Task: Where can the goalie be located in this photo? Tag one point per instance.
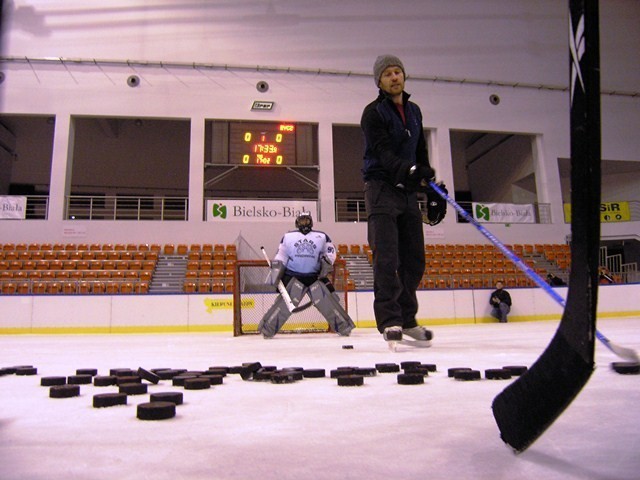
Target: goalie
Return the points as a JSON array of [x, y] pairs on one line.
[[305, 257]]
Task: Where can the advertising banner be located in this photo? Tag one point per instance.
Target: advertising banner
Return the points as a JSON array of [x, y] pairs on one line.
[[503, 213], [258, 210], [609, 212], [13, 207]]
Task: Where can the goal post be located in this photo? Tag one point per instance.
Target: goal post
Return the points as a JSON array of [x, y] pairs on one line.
[[253, 295]]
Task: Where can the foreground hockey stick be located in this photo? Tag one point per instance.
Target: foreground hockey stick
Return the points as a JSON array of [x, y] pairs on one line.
[[623, 352]]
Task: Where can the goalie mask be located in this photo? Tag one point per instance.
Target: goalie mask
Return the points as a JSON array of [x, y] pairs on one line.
[[304, 222]]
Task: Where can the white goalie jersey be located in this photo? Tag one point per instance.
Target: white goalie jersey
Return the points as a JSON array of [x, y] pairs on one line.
[[301, 254]]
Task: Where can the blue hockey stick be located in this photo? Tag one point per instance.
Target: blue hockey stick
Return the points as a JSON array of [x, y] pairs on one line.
[[622, 352]]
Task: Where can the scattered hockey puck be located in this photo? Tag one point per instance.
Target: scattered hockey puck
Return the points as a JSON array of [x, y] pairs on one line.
[[262, 375], [148, 375], [431, 367], [387, 367], [341, 372], [515, 370], [236, 369], [282, 377], [409, 364], [79, 379], [410, 378], [217, 379], [5, 371], [173, 397], [121, 372], [64, 391], [365, 371], [221, 367], [169, 373], [87, 371], [222, 371], [128, 379], [452, 371], [467, 375], [347, 347], [133, 388], [104, 380], [626, 368], [350, 380], [249, 369], [102, 400], [497, 374], [178, 381], [156, 410], [197, 383], [314, 373], [26, 371], [51, 381]]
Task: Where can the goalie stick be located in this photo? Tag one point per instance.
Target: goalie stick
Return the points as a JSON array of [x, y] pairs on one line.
[[283, 291]]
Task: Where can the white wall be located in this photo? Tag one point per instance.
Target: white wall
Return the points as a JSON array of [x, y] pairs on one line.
[[523, 41]]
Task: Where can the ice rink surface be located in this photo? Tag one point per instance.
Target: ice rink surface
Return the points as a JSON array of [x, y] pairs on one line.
[[311, 429]]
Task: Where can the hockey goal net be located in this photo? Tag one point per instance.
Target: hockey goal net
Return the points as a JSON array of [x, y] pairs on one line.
[[253, 296]]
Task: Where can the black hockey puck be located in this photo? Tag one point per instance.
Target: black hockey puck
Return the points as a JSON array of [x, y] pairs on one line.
[[128, 379], [178, 381], [515, 370], [314, 373], [626, 368], [148, 375], [497, 374], [410, 378], [248, 369], [409, 364], [452, 371], [173, 397], [87, 371], [197, 383], [420, 369], [431, 367], [347, 347], [169, 373], [79, 379], [133, 388], [64, 391], [350, 380], [101, 400], [26, 371], [51, 381], [387, 367], [262, 375], [220, 367], [341, 372], [282, 377], [217, 371], [467, 375], [156, 410], [365, 371], [121, 372], [104, 380], [216, 379], [6, 371], [235, 369]]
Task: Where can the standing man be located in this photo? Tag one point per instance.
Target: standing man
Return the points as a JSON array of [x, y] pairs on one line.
[[396, 167], [500, 301]]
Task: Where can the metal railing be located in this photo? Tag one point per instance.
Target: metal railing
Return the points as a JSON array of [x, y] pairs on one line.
[[80, 207], [353, 210]]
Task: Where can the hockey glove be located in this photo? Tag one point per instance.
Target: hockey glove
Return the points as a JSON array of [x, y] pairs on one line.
[[436, 206], [418, 176]]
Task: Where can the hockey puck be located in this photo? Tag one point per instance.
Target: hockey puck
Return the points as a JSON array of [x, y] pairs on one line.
[[148, 376], [156, 410], [262, 375], [314, 373], [5, 371], [516, 370], [410, 378], [419, 369], [197, 383], [347, 347], [350, 380], [169, 373], [133, 388], [409, 364], [121, 372], [467, 375], [128, 379], [626, 368], [87, 371], [24, 371], [51, 381], [431, 367], [236, 369], [387, 367], [217, 371], [173, 397], [341, 372], [365, 371], [282, 377], [248, 369], [79, 379], [216, 379], [452, 371], [178, 381], [220, 367], [64, 391], [497, 374], [104, 380], [102, 400]]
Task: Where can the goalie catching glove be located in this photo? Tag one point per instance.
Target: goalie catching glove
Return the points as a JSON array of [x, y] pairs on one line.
[[436, 205]]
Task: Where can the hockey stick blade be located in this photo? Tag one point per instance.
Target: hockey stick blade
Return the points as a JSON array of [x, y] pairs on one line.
[[622, 352], [281, 288]]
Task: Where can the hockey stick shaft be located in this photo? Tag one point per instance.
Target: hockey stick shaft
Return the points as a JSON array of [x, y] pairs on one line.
[[622, 352], [281, 288]]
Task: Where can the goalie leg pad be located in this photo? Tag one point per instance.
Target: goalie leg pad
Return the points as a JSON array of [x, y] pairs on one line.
[[330, 308], [278, 314]]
